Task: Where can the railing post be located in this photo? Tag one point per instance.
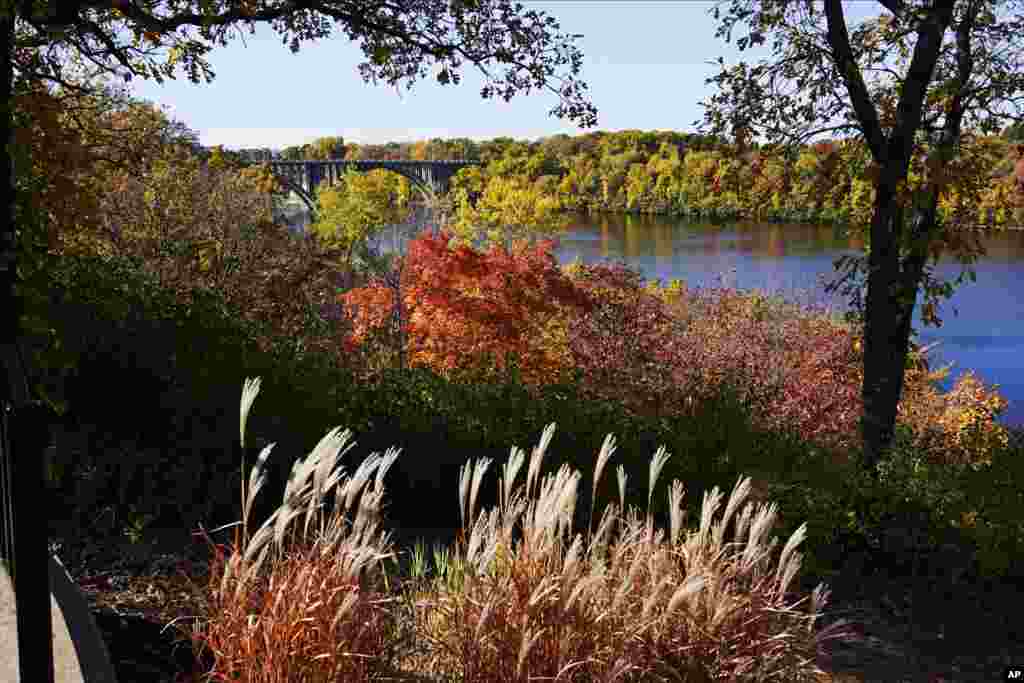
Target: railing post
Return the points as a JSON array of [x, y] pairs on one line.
[[24, 512]]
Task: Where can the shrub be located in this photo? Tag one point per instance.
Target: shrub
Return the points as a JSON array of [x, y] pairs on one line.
[[463, 309], [920, 518]]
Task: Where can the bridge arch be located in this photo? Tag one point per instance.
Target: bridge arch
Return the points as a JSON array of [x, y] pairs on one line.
[[303, 177]]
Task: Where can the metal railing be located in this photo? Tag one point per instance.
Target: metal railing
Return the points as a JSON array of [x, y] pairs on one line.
[[24, 515]]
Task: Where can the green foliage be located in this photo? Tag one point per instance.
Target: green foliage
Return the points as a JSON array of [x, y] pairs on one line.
[[455, 421], [351, 212], [989, 511], [120, 328], [330, 147], [1014, 132], [911, 519]]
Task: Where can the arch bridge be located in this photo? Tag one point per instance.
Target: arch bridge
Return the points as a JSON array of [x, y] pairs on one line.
[[303, 177]]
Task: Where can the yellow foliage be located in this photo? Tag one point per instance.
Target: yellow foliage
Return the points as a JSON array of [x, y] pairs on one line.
[[356, 208], [508, 209], [217, 161], [670, 293], [960, 424]]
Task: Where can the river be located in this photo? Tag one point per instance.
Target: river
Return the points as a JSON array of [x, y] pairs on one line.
[[986, 334]]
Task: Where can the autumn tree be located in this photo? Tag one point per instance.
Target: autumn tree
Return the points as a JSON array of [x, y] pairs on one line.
[[508, 209], [468, 311], [329, 147], [357, 208], [924, 78]]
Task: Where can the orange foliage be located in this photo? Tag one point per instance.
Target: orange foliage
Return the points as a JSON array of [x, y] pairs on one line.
[[465, 308], [825, 148], [958, 426]]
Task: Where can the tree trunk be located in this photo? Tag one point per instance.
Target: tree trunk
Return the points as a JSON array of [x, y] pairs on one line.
[[886, 331], [888, 319]]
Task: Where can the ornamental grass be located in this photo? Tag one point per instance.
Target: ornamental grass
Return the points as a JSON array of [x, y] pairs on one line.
[[516, 599]]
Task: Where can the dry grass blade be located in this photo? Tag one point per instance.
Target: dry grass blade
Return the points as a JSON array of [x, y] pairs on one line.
[[676, 512], [739, 494], [657, 463], [535, 459], [509, 472], [607, 450], [690, 587], [529, 640], [464, 475], [787, 569], [478, 477]]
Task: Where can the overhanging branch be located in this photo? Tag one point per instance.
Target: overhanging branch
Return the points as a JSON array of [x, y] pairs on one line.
[[842, 53]]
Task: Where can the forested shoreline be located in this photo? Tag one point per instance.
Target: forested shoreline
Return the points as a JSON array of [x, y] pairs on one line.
[[698, 176]]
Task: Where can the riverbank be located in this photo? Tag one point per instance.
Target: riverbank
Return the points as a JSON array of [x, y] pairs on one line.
[[792, 259]]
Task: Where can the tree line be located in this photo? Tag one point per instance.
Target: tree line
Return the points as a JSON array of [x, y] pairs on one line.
[[694, 175]]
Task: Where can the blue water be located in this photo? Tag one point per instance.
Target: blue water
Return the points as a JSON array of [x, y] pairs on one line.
[[983, 322]]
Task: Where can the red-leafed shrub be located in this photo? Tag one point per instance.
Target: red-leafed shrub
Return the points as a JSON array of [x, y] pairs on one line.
[[468, 311], [626, 344]]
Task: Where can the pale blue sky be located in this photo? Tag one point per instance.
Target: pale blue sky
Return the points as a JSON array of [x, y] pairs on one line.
[[645, 65]]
